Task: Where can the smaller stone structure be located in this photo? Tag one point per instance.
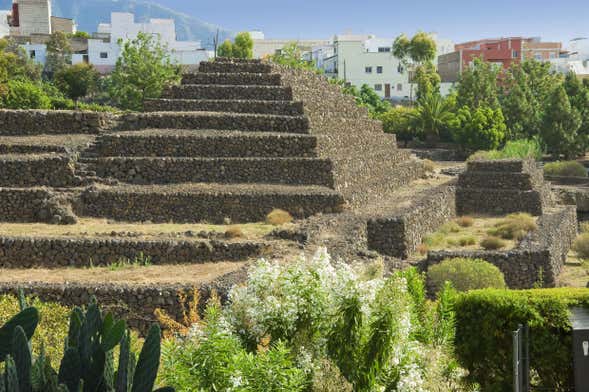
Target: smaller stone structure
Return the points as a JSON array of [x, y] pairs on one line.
[[502, 186], [538, 258]]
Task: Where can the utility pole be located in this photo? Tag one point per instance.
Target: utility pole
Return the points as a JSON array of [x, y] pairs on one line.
[[216, 42]]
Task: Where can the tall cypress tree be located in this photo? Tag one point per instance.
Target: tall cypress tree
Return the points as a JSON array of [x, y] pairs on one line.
[[561, 125]]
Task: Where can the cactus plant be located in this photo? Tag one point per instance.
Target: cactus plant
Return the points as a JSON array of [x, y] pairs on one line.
[[88, 360]]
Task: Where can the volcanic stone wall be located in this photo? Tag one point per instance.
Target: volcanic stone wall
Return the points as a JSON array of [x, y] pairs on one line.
[[32, 122], [362, 154], [538, 258], [37, 170], [501, 187], [34, 205], [400, 234], [27, 252], [135, 304]]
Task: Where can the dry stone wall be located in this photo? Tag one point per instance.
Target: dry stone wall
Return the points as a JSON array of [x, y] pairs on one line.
[[399, 234], [37, 170], [33, 122], [365, 167], [539, 258]]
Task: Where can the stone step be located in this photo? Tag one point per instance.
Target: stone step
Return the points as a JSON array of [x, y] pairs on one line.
[[24, 170], [42, 144], [237, 60], [215, 120], [234, 67], [171, 170], [203, 143], [220, 91], [287, 108], [25, 205], [243, 79], [214, 203], [53, 252]]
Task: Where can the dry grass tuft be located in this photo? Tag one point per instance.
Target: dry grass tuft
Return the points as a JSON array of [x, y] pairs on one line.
[[429, 166], [581, 246], [422, 249], [465, 221], [492, 243], [467, 241], [234, 232], [514, 226], [278, 217]]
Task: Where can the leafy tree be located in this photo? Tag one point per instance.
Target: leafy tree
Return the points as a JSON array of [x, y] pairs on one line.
[[59, 54], [77, 81], [477, 86], [525, 90], [561, 125], [418, 53], [578, 95], [292, 56], [25, 94], [481, 128], [143, 71], [433, 113], [243, 46], [79, 34], [15, 63], [400, 121], [428, 80], [225, 49], [371, 100]]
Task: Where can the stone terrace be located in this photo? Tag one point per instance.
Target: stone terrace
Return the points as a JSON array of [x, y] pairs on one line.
[[230, 144]]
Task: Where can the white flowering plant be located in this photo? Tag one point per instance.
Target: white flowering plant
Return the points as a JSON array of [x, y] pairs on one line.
[[291, 320]]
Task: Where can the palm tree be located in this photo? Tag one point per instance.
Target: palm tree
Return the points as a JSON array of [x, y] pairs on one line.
[[432, 114]]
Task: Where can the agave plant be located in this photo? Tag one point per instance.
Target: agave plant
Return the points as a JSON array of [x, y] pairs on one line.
[[88, 361]]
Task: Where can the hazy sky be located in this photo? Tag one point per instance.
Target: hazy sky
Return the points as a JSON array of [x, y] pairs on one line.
[[459, 20]]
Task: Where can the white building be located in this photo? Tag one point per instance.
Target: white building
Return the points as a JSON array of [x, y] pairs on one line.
[[576, 59], [366, 59], [103, 54], [267, 47], [31, 17]]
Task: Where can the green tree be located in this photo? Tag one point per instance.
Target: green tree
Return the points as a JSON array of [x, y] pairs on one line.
[[428, 80], [15, 63], [525, 90], [400, 121], [243, 46], [418, 54], [79, 34], [477, 86], [25, 94], [292, 56], [481, 128], [77, 81], [578, 95], [432, 115], [561, 125], [59, 54], [225, 49], [372, 101], [143, 71]]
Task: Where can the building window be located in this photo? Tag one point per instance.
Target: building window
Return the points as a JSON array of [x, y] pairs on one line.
[[103, 55], [538, 56], [379, 70], [515, 54], [552, 55], [368, 69], [400, 69], [384, 50], [378, 87], [32, 54], [86, 59], [399, 87]]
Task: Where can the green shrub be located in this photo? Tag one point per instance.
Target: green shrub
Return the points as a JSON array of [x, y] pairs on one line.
[[467, 241], [23, 94], [465, 274], [514, 226], [565, 169], [400, 120], [482, 128], [52, 328], [485, 320], [523, 148], [492, 243], [581, 246]]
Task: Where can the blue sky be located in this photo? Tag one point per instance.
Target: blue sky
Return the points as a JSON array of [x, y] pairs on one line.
[[459, 20]]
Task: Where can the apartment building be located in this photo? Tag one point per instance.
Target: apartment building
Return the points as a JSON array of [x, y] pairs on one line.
[[501, 51], [574, 59], [366, 59]]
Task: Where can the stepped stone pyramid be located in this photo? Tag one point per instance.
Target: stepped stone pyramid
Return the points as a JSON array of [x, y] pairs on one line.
[[230, 144]]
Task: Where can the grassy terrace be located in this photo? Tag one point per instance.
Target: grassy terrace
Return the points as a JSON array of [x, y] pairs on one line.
[[470, 233], [90, 227]]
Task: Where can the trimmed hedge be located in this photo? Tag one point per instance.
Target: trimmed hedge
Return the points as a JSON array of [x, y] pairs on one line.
[[565, 169], [465, 274], [485, 320]]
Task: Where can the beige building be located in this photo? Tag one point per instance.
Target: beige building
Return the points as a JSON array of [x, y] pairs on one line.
[[65, 25], [30, 17], [267, 47]]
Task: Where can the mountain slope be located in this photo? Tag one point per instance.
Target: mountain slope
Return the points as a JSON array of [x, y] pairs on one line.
[[89, 13]]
